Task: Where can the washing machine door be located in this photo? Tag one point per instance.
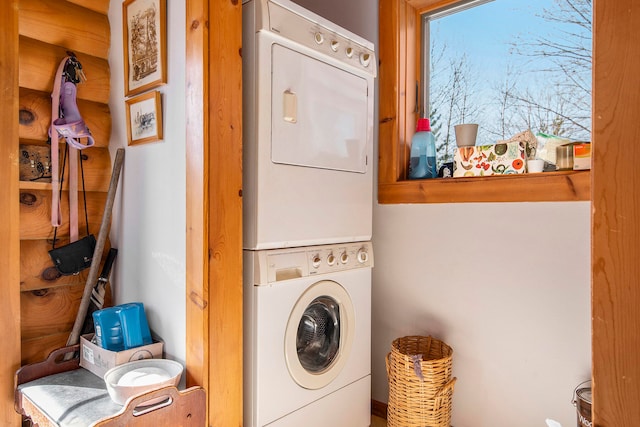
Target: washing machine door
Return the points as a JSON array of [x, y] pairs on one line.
[[319, 334]]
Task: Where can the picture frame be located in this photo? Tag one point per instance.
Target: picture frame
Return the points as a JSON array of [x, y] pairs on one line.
[[145, 40], [144, 118]]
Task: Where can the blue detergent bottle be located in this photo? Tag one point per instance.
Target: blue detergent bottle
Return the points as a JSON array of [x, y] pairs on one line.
[[422, 162]]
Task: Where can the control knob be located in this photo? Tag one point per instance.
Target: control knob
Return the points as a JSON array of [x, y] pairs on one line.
[[318, 37], [344, 257], [363, 256], [315, 261], [365, 59], [349, 52], [331, 259], [335, 44]]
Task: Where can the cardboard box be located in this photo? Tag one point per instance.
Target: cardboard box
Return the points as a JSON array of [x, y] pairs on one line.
[[498, 159], [581, 156], [99, 360]]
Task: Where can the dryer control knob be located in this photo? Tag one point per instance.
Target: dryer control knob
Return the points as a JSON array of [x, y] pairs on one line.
[[344, 258], [349, 52], [363, 256], [331, 259], [365, 59], [316, 261], [335, 44], [319, 38]]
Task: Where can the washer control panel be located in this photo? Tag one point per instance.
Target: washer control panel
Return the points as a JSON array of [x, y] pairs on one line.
[[329, 258], [275, 265]]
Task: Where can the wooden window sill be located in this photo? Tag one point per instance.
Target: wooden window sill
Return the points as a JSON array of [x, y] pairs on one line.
[[542, 187]]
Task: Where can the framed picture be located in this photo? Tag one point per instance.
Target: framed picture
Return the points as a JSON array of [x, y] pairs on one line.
[[145, 41], [144, 118]]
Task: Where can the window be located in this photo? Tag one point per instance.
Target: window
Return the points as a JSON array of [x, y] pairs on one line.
[[403, 39], [509, 66]]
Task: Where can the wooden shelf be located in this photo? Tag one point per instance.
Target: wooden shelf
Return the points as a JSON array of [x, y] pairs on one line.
[[35, 185], [543, 187]]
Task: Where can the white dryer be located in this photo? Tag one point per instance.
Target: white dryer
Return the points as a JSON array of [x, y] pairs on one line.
[[307, 128], [308, 336]]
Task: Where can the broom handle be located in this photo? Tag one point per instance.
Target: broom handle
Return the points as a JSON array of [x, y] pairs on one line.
[[74, 337]]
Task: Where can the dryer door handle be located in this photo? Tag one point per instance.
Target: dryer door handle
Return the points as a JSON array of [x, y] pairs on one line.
[[289, 106]]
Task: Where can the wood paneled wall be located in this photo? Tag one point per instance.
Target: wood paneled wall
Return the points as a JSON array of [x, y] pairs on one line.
[[47, 30], [616, 214]]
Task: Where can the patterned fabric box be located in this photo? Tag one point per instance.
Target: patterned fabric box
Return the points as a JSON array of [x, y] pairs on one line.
[[502, 158]]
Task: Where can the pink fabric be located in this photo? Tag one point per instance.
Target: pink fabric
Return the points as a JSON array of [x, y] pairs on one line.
[[56, 211]]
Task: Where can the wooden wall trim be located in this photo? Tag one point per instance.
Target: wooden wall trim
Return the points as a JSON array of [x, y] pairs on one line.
[[214, 206], [616, 218], [9, 227], [197, 262], [225, 211], [379, 409]]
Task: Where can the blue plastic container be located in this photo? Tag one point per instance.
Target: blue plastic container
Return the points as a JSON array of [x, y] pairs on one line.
[[122, 327], [422, 160], [135, 329], [108, 329]]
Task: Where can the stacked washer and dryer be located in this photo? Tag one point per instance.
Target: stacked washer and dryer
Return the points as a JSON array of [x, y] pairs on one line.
[[308, 185]]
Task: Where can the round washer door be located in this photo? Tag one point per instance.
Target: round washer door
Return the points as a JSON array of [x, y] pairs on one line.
[[319, 334]]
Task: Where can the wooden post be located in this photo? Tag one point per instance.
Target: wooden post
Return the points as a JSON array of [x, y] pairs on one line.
[[9, 197], [616, 218]]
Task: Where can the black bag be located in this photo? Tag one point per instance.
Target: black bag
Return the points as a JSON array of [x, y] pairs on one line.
[[73, 258]]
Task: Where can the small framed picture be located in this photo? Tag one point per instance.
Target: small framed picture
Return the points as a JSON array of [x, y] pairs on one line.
[[145, 51], [144, 118]]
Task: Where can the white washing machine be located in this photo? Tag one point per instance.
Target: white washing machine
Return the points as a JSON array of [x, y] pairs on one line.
[[308, 128], [307, 340]]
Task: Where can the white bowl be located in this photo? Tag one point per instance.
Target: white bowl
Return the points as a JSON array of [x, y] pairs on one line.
[[135, 378]]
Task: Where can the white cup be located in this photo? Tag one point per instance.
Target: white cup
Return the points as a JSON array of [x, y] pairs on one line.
[[535, 165], [466, 134]]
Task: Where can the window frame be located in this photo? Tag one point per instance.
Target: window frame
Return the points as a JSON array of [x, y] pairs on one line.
[[399, 50]]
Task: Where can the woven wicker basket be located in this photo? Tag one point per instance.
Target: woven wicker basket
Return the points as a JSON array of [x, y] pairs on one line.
[[415, 401]]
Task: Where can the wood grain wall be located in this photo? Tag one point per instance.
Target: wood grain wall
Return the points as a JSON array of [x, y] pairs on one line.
[[47, 30], [616, 216]]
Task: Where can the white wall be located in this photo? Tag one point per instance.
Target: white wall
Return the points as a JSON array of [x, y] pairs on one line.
[[149, 220], [506, 285]]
